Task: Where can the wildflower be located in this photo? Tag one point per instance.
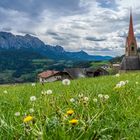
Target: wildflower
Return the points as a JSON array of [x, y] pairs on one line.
[[100, 96], [80, 95], [28, 119], [5, 91], [117, 75], [32, 98], [70, 112], [73, 121], [17, 114], [33, 84], [43, 92], [31, 110], [121, 84], [86, 99], [95, 100], [49, 91], [72, 100], [66, 82], [106, 97]]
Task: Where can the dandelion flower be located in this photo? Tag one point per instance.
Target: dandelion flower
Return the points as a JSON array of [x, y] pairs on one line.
[[66, 82], [117, 75], [31, 110], [49, 92], [86, 99], [106, 97], [80, 95], [17, 114], [33, 84], [100, 96], [32, 98], [27, 119], [95, 100], [70, 112], [73, 121], [5, 91], [72, 100]]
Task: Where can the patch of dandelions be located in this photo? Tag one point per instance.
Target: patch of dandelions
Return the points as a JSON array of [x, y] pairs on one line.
[[103, 97], [66, 82], [46, 92], [121, 84], [33, 98]]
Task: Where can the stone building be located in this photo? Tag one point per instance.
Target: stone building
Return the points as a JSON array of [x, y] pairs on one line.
[[131, 60]]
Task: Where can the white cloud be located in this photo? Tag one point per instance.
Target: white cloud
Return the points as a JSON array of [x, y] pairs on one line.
[[71, 28]]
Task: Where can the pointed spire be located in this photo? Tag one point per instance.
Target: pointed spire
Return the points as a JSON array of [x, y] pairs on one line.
[[131, 30]]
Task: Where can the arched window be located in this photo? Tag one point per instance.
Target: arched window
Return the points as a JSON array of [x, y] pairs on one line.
[[132, 47]]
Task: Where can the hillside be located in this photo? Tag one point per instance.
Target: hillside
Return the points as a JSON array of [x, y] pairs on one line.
[[87, 109], [23, 57]]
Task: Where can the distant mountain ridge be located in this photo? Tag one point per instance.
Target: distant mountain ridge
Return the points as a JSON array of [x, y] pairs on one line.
[[9, 41]]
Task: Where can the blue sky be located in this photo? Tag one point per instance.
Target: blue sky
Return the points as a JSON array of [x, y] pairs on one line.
[[95, 26]]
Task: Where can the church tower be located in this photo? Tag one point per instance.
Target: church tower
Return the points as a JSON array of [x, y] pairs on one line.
[[131, 60], [131, 43]]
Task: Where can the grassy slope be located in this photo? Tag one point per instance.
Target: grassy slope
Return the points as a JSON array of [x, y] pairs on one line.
[[118, 118]]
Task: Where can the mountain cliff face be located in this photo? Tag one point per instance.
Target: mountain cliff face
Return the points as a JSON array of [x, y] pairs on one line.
[[30, 43]]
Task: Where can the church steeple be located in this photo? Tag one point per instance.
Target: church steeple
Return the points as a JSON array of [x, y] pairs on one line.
[[131, 43]]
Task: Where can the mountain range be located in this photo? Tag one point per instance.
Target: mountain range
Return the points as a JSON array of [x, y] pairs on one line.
[[33, 45]]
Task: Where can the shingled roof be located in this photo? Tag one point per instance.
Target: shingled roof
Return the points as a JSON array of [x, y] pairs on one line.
[[47, 74]]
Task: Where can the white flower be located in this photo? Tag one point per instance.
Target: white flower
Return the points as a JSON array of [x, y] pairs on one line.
[[72, 100], [95, 100], [32, 98], [17, 114], [121, 84], [100, 96], [33, 84], [5, 91], [106, 97], [117, 75], [66, 82], [31, 110], [80, 95], [49, 92], [86, 99]]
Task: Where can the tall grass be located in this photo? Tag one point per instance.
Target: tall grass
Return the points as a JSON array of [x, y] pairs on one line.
[[115, 118]]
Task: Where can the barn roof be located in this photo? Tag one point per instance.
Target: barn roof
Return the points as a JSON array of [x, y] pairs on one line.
[[47, 74]]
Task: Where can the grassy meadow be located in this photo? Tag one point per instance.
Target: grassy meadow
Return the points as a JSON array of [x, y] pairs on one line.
[[87, 109]]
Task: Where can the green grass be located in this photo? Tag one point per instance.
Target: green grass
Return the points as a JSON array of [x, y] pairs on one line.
[[117, 118]]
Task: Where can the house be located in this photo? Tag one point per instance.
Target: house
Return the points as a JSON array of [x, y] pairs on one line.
[[76, 73], [70, 73], [51, 76], [94, 72], [131, 60]]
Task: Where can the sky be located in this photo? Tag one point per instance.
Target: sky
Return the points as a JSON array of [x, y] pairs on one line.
[[98, 27]]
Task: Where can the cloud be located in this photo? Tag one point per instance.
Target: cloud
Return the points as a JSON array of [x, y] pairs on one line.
[[74, 24]]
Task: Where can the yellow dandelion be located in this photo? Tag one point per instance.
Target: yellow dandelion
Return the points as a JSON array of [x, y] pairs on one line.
[[70, 112], [28, 119], [73, 121]]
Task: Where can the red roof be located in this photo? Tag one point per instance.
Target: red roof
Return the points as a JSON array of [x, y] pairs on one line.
[[48, 73]]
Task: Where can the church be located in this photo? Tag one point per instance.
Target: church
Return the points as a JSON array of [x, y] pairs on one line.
[[131, 60]]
